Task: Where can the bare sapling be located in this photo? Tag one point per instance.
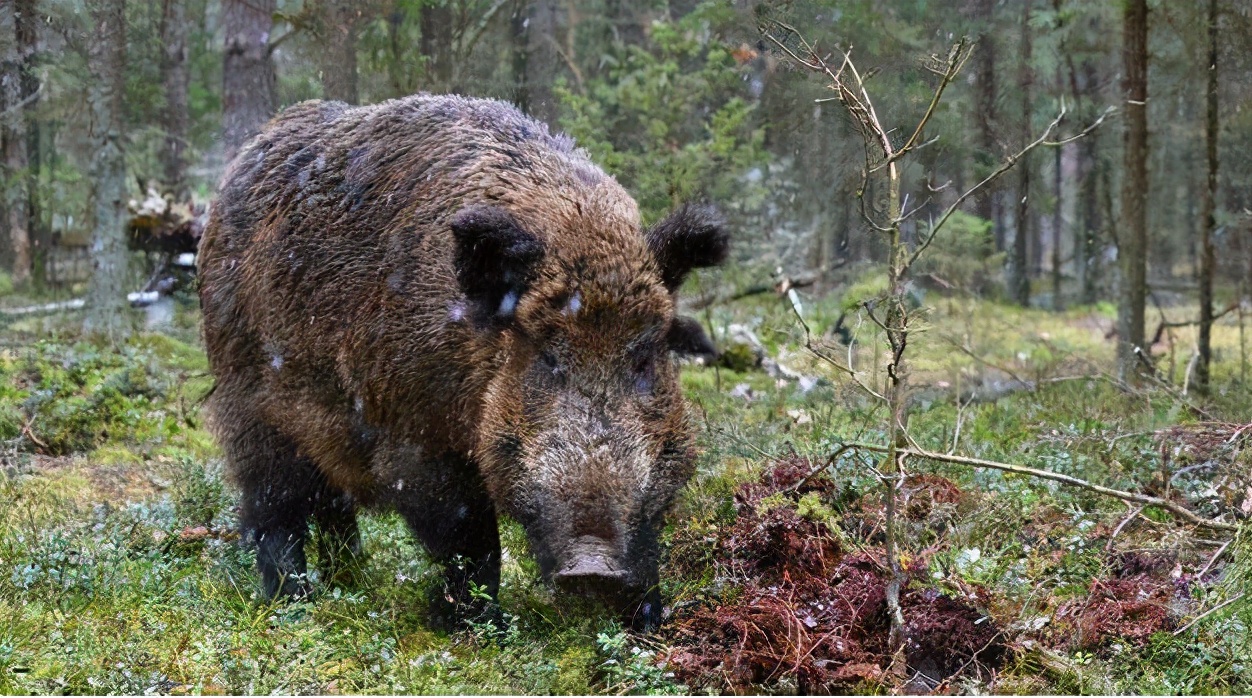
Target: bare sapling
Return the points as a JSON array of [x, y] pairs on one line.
[[892, 313]]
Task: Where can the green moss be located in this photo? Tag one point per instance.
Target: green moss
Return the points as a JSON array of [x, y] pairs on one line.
[[739, 357]]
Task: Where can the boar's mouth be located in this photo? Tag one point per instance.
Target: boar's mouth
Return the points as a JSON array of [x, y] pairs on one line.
[[591, 568]]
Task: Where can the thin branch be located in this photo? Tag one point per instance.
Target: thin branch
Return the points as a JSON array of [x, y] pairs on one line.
[[846, 369], [909, 214], [957, 56], [1108, 547], [1005, 166], [970, 353], [1209, 612], [22, 104], [1203, 571], [273, 45], [467, 46], [1145, 499]]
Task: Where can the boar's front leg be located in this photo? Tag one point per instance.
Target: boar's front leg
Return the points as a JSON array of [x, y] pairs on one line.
[[280, 488], [449, 510]]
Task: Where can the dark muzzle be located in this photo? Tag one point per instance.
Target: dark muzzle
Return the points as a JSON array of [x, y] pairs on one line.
[[591, 569]]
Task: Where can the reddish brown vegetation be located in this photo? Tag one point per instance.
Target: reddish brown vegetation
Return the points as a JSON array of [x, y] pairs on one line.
[[1212, 453], [1144, 597], [811, 613]]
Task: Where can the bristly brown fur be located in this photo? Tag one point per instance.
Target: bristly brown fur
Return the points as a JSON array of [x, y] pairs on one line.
[[434, 304]]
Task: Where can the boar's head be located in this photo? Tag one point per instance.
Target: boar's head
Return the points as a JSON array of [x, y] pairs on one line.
[[583, 435]]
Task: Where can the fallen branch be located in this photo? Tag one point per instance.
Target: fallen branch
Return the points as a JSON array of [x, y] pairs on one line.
[[30, 99], [1204, 570], [1108, 547], [1145, 499], [1208, 613], [75, 304]]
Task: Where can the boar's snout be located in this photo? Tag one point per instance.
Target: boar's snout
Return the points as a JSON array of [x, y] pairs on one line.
[[591, 568]]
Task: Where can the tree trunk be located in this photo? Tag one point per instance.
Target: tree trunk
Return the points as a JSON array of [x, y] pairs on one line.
[[16, 204], [624, 22], [815, 164], [401, 80], [1087, 242], [1087, 226], [436, 46], [985, 201], [106, 296], [248, 80], [175, 77], [1058, 212], [1208, 220], [1058, 221], [1020, 279], [543, 63], [28, 43], [519, 27], [337, 54], [1132, 237]]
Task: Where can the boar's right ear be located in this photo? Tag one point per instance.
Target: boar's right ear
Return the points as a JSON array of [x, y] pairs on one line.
[[495, 261], [690, 237]]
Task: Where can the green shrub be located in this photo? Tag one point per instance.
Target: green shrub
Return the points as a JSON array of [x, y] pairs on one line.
[[959, 255], [670, 120]]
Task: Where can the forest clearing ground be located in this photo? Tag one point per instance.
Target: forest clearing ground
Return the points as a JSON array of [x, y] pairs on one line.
[[120, 572]]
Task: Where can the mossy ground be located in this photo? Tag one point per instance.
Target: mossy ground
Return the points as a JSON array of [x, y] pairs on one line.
[[120, 571]]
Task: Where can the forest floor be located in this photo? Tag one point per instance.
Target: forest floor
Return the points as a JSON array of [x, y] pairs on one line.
[[120, 570]]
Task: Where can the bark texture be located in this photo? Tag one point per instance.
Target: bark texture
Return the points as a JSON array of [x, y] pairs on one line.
[[176, 78], [248, 80], [1020, 267], [1133, 236], [543, 63], [436, 46], [106, 295], [337, 54], [1208, 220], [13, 144], [986, 201]]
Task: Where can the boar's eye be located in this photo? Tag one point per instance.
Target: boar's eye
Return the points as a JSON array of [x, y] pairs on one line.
[[550, 362], [644, 370]]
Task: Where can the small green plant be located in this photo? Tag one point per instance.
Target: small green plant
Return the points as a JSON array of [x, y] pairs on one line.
[[199, 492], [629, 668]]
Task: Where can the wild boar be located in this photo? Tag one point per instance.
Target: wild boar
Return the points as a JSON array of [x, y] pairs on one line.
[[434, 304]]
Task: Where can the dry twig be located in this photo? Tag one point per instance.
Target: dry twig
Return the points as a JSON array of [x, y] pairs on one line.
[[1209, 612], [1145, 499]]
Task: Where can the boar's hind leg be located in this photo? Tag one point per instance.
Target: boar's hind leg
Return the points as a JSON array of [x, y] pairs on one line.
[[338, 539], [451, 513], [280, 488]]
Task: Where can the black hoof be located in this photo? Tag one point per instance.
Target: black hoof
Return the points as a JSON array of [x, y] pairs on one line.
[[646, 617]]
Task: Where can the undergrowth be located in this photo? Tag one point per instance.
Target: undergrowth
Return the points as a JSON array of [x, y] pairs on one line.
[[120, 569]]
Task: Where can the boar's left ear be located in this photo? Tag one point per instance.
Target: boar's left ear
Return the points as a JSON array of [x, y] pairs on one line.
[[687, 338], [690, 237], [495, 260]]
